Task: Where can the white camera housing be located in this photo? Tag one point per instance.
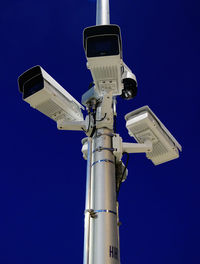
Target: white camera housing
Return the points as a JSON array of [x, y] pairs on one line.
[[42, 92], [143, 125], [103, 50], [106, 76], [128, 74], [129, 83]]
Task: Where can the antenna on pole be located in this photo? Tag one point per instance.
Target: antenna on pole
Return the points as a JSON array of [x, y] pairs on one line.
[[103, 12]]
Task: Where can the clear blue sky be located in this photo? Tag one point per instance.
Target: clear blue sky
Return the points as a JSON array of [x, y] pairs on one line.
[[42, 173]]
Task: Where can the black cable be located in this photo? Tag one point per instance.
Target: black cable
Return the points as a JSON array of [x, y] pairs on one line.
[[89, 122], [115, 123], [102, 118], [124, 171], [126, 165], [94, 127]]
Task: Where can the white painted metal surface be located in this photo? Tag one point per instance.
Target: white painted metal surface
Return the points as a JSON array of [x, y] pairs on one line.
[[143, 125], [51, 99]]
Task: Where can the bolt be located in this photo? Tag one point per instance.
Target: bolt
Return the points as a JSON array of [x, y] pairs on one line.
[[119, 223]]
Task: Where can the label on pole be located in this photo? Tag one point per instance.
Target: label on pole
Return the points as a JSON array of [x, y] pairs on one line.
[[113, 252]]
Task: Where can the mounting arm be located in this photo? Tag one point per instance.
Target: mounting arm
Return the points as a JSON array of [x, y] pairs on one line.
[[137, 147], [121, 147]]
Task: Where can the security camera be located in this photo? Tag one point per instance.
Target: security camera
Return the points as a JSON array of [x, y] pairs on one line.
[[42, 92], [130, 84], [144, 125], [103, 49]]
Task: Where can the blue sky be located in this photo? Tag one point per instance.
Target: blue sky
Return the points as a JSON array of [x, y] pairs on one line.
[[42, 183]]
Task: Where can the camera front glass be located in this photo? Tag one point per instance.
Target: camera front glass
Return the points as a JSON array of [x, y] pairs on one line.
[[105, 45], [33, 85]]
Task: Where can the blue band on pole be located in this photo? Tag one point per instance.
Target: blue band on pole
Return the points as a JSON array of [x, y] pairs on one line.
[[104, 160], [105, 211]]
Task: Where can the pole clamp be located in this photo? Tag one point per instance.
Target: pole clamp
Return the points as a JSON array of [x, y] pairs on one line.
[[104, 134], [104, 160], [93, 213]]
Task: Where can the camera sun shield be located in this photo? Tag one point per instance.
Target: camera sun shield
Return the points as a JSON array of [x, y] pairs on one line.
[[103, 37]]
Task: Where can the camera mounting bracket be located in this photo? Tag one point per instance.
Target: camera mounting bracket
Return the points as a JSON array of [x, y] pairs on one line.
[[122, 147]]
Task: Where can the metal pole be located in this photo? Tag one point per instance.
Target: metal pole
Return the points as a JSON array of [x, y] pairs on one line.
[[101, 244], [103, 12], [103, 223], [86, 257]]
